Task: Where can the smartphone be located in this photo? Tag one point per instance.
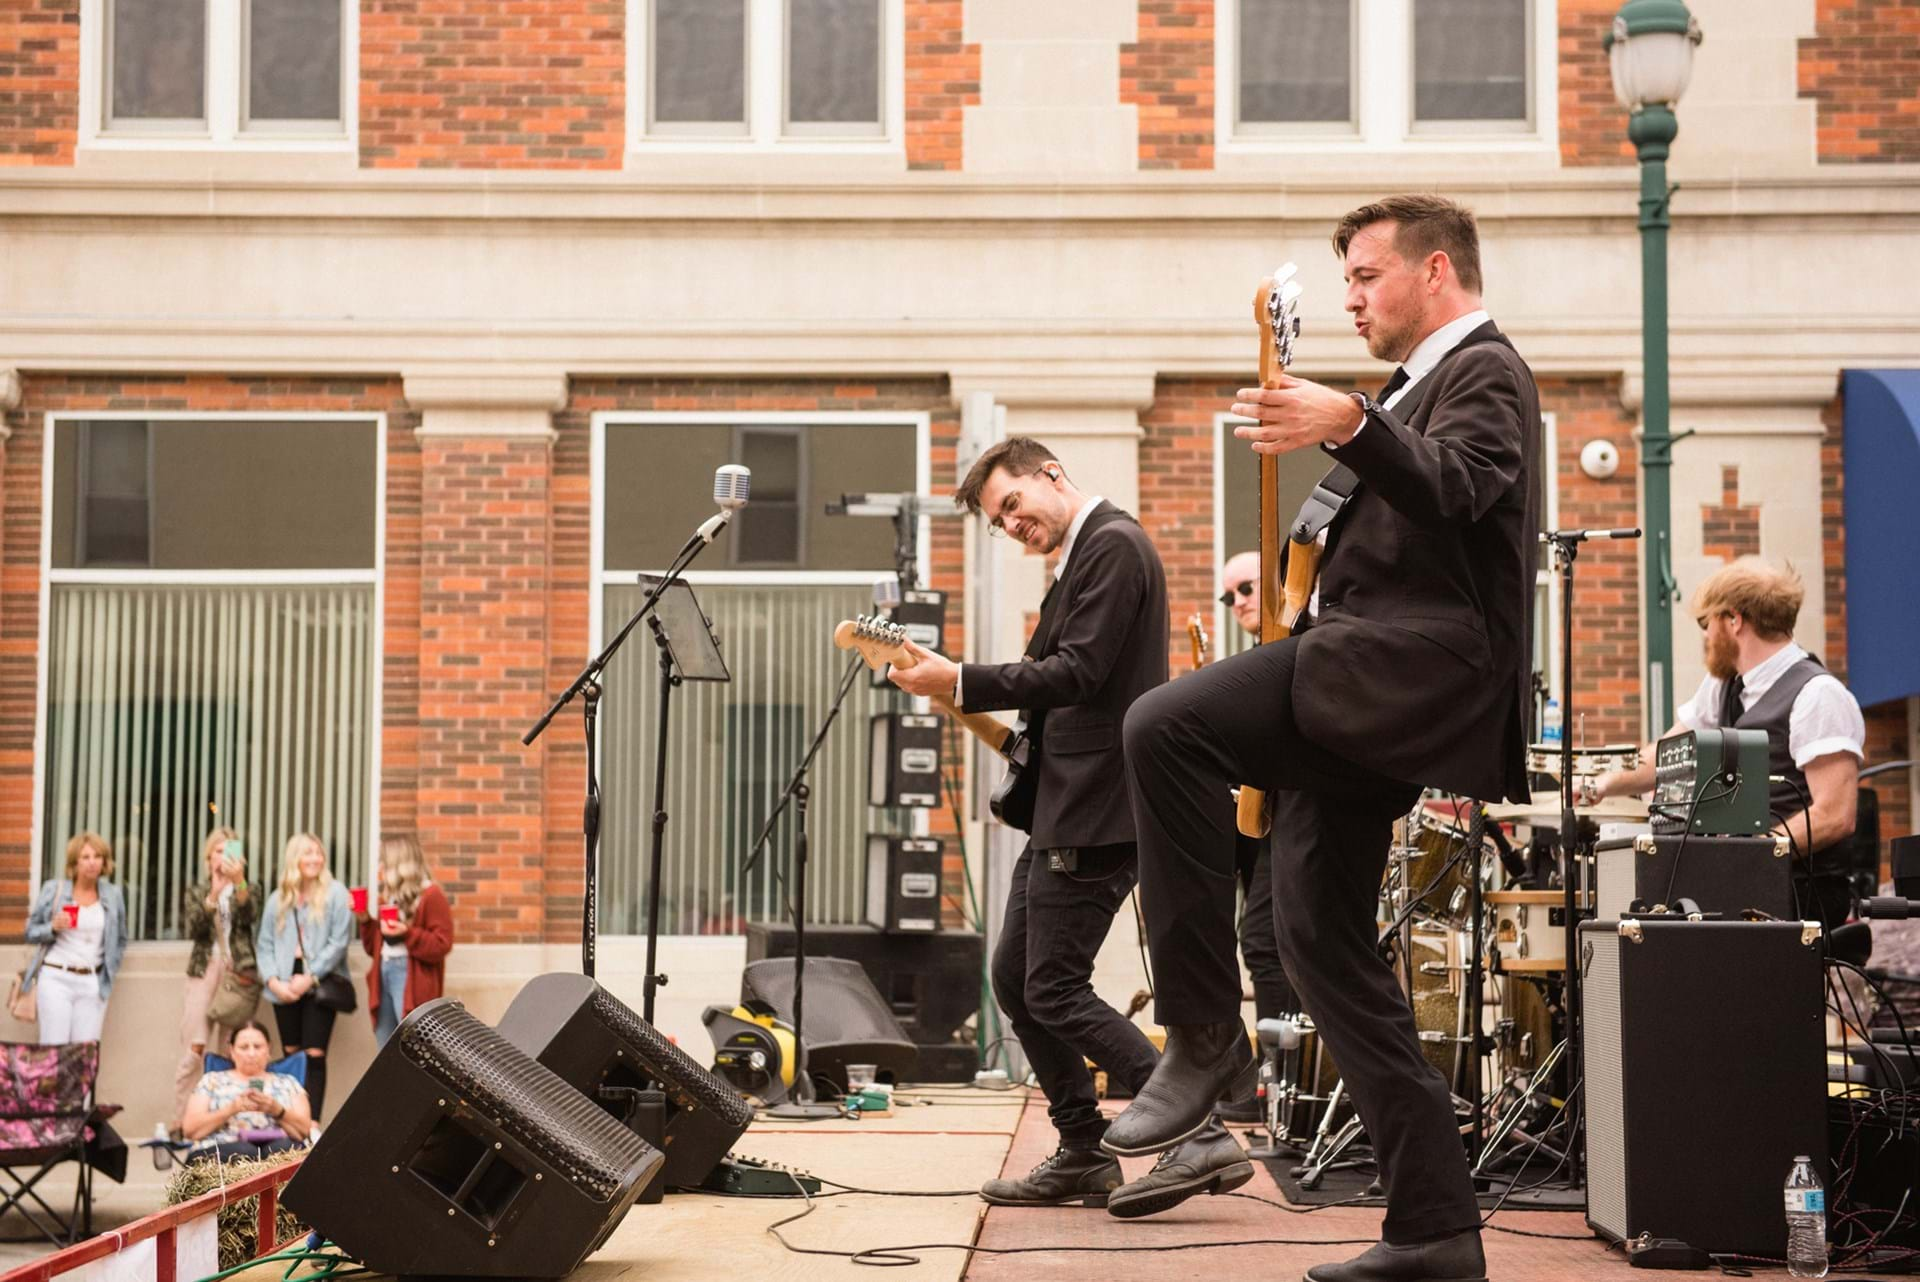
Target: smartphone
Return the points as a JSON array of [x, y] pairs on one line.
[[234, 850], [257, 1084]]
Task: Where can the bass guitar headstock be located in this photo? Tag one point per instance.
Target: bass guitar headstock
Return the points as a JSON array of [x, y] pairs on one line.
[[1276, 310]]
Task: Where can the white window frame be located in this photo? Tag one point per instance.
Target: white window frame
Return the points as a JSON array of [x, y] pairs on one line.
[[1383, 90], [225, 128], [767, 129], [49, 576]]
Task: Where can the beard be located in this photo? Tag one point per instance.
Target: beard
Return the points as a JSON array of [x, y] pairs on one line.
[[1723, 659]]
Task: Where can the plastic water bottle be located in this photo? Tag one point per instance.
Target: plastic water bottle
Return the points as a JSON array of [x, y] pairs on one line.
[[1550, 729], [1806, 1221]]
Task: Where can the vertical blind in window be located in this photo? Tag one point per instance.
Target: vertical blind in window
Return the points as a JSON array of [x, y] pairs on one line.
[[174, 709]]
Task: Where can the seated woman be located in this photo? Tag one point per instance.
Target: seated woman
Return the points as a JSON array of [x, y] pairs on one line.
[[245, 1111]]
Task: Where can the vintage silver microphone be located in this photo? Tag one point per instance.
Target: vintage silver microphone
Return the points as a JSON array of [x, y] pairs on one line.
[[730, 484]]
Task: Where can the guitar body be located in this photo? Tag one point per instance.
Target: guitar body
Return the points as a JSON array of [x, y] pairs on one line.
[[1018, 791]]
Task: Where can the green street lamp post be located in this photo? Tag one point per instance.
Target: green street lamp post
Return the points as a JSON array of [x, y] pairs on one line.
[[1650, 51]]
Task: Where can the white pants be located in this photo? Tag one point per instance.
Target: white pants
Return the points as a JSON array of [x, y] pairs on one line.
[[71, 1007]]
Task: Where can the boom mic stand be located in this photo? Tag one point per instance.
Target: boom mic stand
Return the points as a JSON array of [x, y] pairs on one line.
[[801, 1103]]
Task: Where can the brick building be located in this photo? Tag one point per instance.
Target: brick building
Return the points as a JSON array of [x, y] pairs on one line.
[[359, 352]]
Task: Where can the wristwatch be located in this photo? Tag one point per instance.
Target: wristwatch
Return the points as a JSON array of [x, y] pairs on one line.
[[1368, 408]]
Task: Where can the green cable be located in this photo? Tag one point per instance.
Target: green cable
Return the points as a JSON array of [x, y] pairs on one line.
[[295, 1256]]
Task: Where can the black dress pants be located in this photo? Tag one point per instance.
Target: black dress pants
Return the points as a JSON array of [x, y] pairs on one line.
[[1273, 993], [1187, 744], [1043, 979]]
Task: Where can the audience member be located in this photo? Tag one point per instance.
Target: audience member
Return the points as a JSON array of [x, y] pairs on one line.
[[218, 918], [408, 941], [80, 923], [302, 955], [246, 1111]]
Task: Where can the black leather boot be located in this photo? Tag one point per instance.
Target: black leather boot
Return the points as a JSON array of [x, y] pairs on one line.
[[1202, 1062], [1244, 1109], [1454, 1259], [1085, 1176], [1210, 1162]]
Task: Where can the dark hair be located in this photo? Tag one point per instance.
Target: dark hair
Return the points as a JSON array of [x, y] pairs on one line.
[[1422, 224], [1017, 456], [256, 1026]]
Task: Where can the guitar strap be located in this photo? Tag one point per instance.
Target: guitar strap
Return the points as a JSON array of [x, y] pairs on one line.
[[1330, 494]]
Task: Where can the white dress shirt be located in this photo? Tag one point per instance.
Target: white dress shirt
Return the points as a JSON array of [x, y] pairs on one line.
[[1825, 718], [1059, 567]]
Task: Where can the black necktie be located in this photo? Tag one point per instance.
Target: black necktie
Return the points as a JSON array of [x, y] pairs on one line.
[[1732, 706], [1394, 384]]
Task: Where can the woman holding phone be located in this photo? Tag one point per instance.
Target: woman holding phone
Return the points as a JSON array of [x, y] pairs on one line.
[[80, 923], [409, 939], [219, 915], [302, 944], [245, 1111]]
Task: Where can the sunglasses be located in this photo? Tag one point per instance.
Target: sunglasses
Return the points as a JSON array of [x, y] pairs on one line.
[[1244, 589]]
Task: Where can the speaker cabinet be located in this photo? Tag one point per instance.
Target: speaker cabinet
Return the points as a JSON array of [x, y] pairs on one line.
[[845, 1019], [458, 1155], [1724, 875], [903, 882], [601, 1048], [930, 980], [904, 760], [1704, 1053]]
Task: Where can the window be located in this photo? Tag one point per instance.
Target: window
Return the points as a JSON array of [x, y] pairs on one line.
[[774, 593], [1406, 74], [1236, 506], [756, 74], [174, 72], [209, 647]]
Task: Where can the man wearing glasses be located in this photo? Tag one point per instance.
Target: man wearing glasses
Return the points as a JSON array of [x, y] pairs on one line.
[[1101, 643]]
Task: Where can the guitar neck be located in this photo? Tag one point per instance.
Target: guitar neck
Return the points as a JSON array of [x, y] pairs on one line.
[[996, 734], [1274, 622]]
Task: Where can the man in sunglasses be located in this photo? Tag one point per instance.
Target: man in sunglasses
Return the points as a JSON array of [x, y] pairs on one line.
[[1101, 643]]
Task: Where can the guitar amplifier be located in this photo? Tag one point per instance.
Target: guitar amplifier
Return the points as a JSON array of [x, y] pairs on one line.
[[904, 764], [903, 882], [1711, 782], [1725, 875], [1704, 1058]]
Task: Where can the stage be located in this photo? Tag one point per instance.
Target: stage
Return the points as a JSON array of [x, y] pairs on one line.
[[968, 1136]]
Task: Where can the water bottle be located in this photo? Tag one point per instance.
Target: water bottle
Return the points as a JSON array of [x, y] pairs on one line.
[[1550, 729], [1806, 1221]]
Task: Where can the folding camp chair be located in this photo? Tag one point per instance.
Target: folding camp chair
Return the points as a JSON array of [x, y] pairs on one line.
[[167, 1152], [47, 1117]]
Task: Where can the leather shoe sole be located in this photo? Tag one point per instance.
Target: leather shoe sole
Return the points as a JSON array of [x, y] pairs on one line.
[[1240, 1083], [1071, 1199], [1313, 1275], [1166, 1197]]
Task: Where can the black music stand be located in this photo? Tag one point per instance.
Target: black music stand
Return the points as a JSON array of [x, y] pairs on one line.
[[688, 652]]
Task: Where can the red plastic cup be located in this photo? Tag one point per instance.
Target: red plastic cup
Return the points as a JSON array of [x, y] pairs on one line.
[[389, 914], [73, 914], [359, 894]]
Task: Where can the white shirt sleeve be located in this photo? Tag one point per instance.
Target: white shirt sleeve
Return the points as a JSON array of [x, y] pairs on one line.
[[1702, 712], [1826, 719]]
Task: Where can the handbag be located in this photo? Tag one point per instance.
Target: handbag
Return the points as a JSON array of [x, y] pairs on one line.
[[235, 999], [23, 1003], [330, 992]]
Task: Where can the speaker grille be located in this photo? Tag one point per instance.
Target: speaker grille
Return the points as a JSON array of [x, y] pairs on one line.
[[692, 1085], [1602, 1049], [499, 1081]]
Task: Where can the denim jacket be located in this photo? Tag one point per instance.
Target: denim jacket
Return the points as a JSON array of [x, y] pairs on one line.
[[326, 934], [40, 929]]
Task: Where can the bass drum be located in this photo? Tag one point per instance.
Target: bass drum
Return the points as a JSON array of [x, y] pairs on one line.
[[1438, 876], [1437, 984]]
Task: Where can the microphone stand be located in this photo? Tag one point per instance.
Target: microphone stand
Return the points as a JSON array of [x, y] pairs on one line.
[[801, 1102], [587, 686]]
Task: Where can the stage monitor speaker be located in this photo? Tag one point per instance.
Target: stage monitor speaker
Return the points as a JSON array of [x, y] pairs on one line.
[[1704, 1057], [846, 1019], [1725, 875], [904, 760], [601, 1048], [1904, 853], [903, 882], [931, 981], [458, 1155]]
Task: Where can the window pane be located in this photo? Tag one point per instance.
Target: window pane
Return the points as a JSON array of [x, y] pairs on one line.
[[833, 61], [1296, 62], [235, 495], [770, 529], [159, 58], [1300, 471], [1470, 60], [113, 519], [172, 710], [699, 61], [659, 486], [293, 60]]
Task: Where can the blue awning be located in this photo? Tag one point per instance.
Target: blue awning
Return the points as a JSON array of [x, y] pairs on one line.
[[1883, 533]]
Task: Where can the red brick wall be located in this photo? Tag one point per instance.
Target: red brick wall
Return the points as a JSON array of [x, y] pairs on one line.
[[1168, 74], [943, 77], [571, 568], [20, 493], [1593, 127], [40, 69], [1859, 67], [477, 84], [1728, 528]]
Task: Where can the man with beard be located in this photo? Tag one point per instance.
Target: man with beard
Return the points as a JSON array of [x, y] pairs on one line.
[[1100, 644], [1758, 679]]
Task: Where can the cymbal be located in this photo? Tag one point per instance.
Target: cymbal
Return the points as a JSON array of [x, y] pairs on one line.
[[1545, 808]]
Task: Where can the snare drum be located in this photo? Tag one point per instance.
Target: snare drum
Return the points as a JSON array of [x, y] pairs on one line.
[[1529, 929]]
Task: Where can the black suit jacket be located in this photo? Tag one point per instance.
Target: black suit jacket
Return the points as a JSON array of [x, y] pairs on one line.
[[1101, 644], [1418, 663]]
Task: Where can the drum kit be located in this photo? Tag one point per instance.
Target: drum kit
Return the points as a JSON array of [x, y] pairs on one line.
[[1502, 976]]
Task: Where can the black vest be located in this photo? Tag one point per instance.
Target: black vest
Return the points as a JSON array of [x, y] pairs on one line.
[[1773, 712]]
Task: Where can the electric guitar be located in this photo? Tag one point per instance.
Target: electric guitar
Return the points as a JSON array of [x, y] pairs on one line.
[[1276, 313], [1197, 636], [880, 643]]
